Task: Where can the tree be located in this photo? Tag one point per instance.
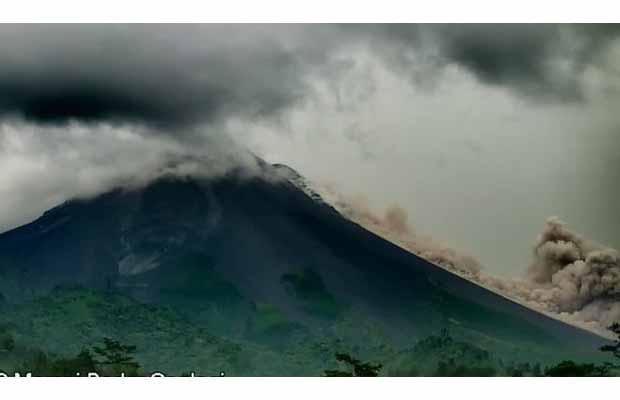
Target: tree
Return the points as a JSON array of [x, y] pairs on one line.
[[80, 365], [356, 367], [116, 358], [7, 343], [614, 348], [451, 368], [43, 365], [571, 368]]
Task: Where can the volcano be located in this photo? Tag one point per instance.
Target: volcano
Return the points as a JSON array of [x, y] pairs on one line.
[[254, 275]]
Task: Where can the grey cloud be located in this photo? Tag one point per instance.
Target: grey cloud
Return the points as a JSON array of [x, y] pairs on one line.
[[161, 75], [45, 165], [172, 76], [539, 61]]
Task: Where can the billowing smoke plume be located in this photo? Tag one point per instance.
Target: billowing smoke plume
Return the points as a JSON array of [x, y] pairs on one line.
[[573, 275], [571, 278], [394, 226]]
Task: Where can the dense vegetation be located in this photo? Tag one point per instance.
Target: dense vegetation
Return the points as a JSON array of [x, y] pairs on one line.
[[75, 331]]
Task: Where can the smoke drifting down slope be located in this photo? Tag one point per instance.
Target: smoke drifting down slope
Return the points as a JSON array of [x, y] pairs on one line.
[[571, 278], [575, 275]]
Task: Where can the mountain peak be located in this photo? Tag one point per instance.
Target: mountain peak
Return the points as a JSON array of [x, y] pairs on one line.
[[262, 257]]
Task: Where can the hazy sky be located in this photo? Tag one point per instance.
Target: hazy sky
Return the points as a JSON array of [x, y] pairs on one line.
[[479, 131]]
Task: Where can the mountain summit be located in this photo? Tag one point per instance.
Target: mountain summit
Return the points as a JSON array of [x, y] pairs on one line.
[[254, 260]]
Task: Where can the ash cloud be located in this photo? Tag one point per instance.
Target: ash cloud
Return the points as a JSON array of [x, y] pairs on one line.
[[395, 226], [571, 278], [572, 273]]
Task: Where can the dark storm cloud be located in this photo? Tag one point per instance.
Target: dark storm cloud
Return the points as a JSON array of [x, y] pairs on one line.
[[163, 75], [177, 76], [536, 60], [503, 54]]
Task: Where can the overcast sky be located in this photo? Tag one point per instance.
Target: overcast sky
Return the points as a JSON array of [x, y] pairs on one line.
[[479, 131]]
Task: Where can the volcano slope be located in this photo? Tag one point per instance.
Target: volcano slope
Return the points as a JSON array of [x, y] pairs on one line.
[[249, 275]]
